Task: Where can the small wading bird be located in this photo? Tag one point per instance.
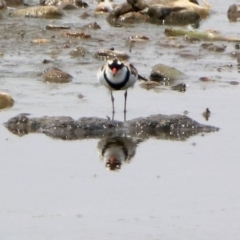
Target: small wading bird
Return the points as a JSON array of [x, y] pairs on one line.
[[117, 75]]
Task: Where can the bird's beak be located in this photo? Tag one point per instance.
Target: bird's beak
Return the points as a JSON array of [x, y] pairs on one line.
[[114, 71]]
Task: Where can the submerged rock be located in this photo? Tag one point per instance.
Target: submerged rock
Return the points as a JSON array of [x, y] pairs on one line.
[[175, 127], [5, 100]]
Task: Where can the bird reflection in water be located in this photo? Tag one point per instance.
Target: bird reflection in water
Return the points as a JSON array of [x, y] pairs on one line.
[[114, 151]]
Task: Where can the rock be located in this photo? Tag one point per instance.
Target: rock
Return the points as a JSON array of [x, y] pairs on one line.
[[118, 141], [76, 34], [175, 127], [3, 4], [6, 100], [233, 13], [49, 12], [138, 38], [205, 79], [120, 9], [14, 3], [56, 27], [213, 47], [78, 52], [50, 2], [133, 17], [105, 54], [202, 11], [166, 75], [150, 85], [64, 3], [85, 15], [92, 25], [104, 7], [55, 75], [81, 4], [181, 87], [139, 5], [192, 5], [161, 14], [166, 127], [41, 40]]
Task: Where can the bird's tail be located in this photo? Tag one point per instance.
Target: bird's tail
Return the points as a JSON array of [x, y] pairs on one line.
[[142, 78]]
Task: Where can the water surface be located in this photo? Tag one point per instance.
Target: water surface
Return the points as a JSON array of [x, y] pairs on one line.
[[55, 189]]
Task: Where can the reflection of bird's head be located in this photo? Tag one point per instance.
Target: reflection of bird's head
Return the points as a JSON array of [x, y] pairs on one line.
[[115, 66], [115, 151], [113, 164]]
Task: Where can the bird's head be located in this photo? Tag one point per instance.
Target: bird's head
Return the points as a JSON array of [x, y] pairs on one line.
[[115, 65]]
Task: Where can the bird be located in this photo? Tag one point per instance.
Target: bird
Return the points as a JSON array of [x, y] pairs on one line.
[[118, 75]]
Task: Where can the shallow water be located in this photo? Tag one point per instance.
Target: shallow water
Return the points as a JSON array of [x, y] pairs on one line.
[[55, 189]]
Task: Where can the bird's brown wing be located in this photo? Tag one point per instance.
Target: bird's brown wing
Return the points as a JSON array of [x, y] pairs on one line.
[[135, 72]]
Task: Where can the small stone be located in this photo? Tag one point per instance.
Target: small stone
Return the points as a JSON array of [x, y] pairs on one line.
[[92, 25], [205, 79], [206, 114], [105, 54], [80, 96], [76, 34], [78, 52], [237, 46], [5, 100], [234, 83], [55, 75], [40, 40]]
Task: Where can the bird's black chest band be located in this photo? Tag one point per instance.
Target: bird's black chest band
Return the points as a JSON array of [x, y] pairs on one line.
[[117, 86]]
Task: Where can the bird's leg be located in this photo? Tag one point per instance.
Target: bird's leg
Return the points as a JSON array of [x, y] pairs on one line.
[[113, 110], [125, 101], [112, 116], [125, 105]]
